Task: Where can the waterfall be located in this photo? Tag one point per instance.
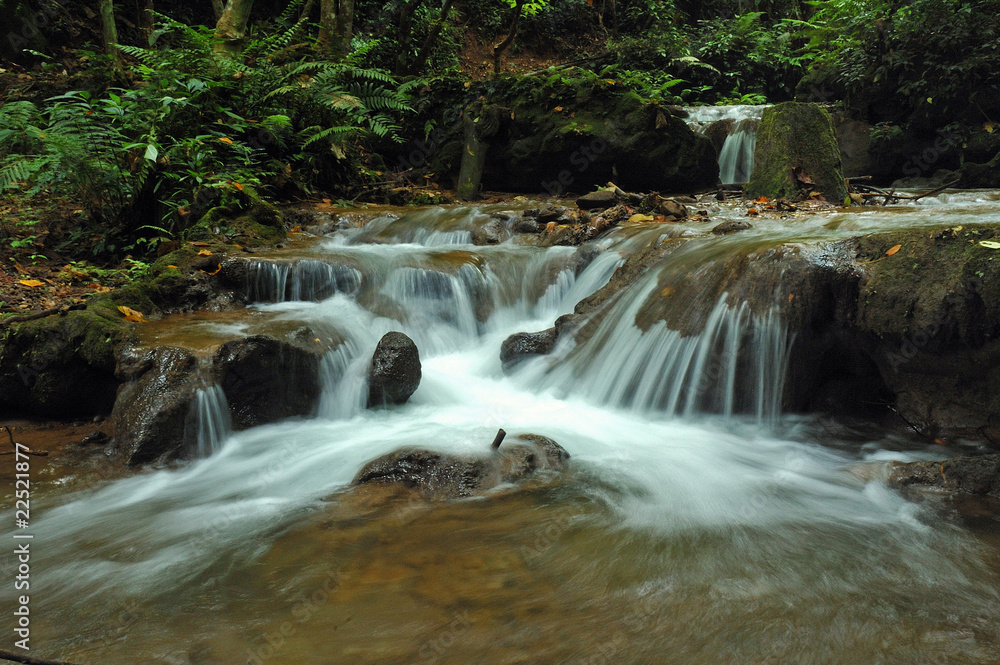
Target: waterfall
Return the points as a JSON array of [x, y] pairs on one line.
[[271, 281], [213, 425], [733, 130]]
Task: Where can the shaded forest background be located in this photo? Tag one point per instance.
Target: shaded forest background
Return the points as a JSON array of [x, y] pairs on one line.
[[123, 122]]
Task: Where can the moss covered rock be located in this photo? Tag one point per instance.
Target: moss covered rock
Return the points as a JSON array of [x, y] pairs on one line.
[[797, 150], [248, 220], [62, 366], [571, 130]]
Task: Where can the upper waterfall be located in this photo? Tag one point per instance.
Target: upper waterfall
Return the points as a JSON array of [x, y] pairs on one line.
[[733, 130]]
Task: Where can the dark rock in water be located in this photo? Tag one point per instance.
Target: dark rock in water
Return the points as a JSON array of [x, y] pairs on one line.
[[732, 226], [965, 475], [447, 476], [520, 345], [527, 224], [796, 152], [492, 232], [669, 208], [599, 200], [719, 131], [395, 370], [550, 213], [152, 415], [266, 379]]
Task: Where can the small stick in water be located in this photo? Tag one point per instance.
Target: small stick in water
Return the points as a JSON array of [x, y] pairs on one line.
[[28, 660], [498, 439]]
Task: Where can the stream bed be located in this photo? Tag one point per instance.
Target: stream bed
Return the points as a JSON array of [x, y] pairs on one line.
[[692, 527]]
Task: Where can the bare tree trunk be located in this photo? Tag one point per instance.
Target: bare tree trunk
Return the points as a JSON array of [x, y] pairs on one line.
[[432, 37], [405, 28], [231, 28], [613, 10], [499, 48], [146, 21], [217, 8], [109, 32], [336, 26]]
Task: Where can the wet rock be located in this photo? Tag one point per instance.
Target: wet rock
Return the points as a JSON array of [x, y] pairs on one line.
[[978, 475], [719, 131], [153, 419], [796, 151], [981, 176], [492, 232], [395, 370], [450, 476], [731, 226], [550, 213], [599, 200], [667, 207], [519, 346], [266, 379], [527, 225]]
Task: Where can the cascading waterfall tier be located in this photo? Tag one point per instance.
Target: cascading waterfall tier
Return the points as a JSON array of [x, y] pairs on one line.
[[739, 125], [213, 424], [285, 281]]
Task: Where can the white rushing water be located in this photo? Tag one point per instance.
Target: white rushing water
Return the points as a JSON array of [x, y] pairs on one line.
[[675, 438], [736, 155]]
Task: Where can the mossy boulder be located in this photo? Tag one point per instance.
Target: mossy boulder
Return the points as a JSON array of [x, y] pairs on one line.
[[572, 130], [62, 366], [797, 151], [247, 220]]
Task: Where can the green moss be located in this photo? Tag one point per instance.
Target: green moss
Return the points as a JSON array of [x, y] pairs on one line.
[[800, 136]]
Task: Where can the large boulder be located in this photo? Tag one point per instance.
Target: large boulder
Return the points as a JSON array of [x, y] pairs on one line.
[[266, 379], [797, 151], [439, 475], [394, 373], [62, 366], [570, 134], [153, 419]]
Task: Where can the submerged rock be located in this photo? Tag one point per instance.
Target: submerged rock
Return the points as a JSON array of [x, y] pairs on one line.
[[797, 151], [448, 476], [491, 232], [978, 476], [731, 226], [599, 200], [394, 373]]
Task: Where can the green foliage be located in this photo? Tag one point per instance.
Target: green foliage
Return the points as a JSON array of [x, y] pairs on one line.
[[753, 57]]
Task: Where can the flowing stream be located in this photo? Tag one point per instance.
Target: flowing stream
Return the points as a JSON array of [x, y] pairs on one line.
[[697, 524]]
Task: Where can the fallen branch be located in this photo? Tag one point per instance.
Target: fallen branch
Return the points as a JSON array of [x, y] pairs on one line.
[[10, 435], [498, 439], [934, 191], [62, 309], [28, 660]]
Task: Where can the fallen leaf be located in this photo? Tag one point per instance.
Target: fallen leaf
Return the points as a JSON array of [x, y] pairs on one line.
[[669, 291], [763, 199], [131, 314], [326, 200], [204, 252], [197, 243], [238, 246], [941, 442], [225, 140], [238, 186], [296, 228], [558, 108], [791, 297], [172, 266], [550, 227], [752, 212], [31, 282], [214, 272], [659, 218], [639, 217], [990, 244], [892, 250]]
